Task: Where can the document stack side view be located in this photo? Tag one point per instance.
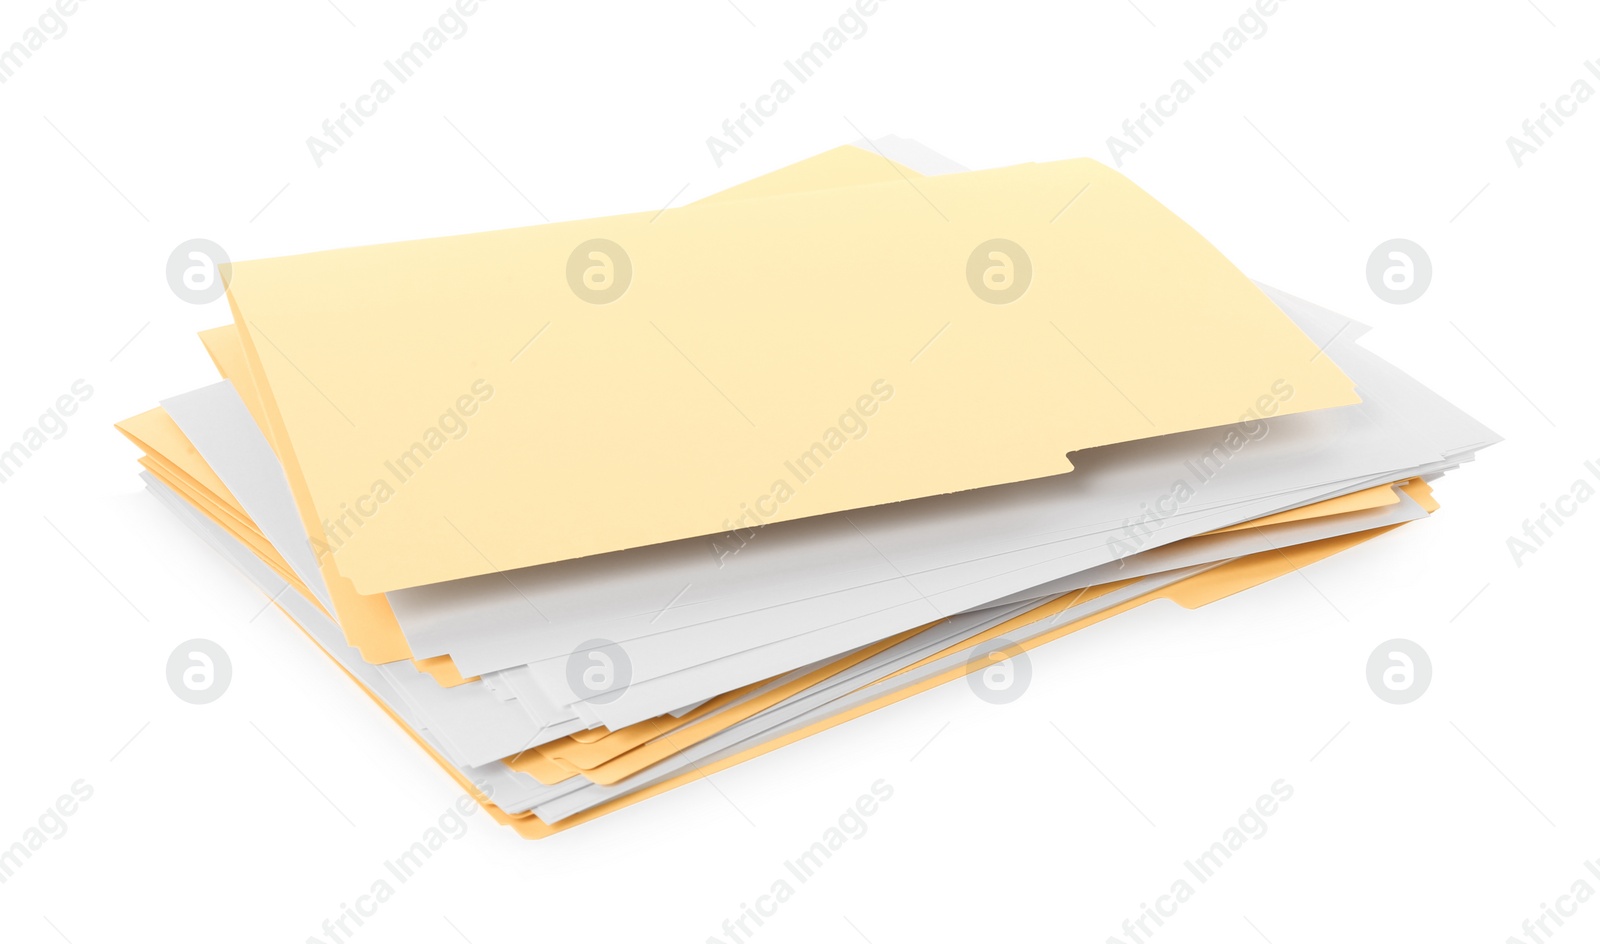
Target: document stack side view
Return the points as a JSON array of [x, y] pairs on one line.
[[596, 508]]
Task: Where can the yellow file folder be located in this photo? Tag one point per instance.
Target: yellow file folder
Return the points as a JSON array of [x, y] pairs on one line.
[[469, 396]]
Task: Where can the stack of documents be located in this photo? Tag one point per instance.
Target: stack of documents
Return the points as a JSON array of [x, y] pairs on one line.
[[597, 508]]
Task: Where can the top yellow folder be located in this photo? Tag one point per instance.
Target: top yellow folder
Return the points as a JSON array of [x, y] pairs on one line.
[[471, 404]]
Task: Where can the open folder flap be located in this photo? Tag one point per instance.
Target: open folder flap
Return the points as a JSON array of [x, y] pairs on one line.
[[461, 394]]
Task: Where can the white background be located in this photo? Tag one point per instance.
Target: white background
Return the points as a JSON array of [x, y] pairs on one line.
[[1452, 818]]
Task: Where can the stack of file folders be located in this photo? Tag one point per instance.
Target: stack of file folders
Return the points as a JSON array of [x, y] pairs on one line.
[[597, 508]]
